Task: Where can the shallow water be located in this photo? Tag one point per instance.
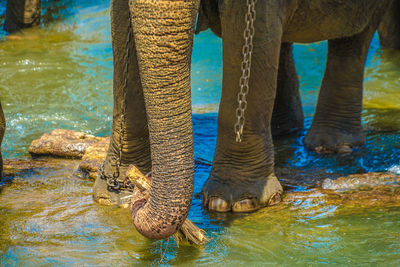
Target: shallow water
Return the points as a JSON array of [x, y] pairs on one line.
[[62, 78]]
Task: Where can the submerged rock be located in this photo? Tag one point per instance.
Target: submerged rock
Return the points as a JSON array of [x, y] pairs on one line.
[[76, 145], [18, 167], [63, 143], [378, 196], [361, 181]]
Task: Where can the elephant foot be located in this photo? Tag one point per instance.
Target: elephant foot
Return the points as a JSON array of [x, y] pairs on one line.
[[105, 197], [326, 140], [223, 196]]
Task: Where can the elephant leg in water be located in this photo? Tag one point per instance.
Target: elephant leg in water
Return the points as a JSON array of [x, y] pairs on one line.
[[132, 136], [2, 130], [287, 116], [22, 14], [242, 176], [336, 126]]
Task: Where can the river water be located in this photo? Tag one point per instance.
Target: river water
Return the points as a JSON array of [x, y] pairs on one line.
[[60, 76]]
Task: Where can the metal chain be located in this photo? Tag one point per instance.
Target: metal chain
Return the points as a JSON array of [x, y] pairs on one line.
[[112, 181], [247, 51]]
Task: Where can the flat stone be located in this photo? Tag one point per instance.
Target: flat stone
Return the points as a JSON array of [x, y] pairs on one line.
[[361, 181], [93, 158], [377, 196], [63, 143]]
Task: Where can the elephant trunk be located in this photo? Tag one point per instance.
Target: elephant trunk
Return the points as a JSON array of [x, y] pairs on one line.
[[163, 33]]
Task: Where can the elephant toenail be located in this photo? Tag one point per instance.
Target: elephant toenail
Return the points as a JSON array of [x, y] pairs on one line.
[[245, 205], [275, 199], [323, 150], [345, 149], [319, 149], [218, 204]]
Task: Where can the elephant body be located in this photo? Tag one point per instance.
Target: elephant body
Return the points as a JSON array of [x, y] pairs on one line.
[[22, 14], [152, 128], [389, 28]]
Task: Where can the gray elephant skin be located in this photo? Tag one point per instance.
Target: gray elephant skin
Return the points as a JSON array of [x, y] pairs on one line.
[[152, 43]]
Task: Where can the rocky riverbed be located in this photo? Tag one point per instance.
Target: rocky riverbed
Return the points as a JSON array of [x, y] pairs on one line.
[[83, 154]]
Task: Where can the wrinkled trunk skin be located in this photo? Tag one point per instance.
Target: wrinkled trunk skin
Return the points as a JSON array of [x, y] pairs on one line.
[[163, 33], [22, 14], [2, 130]]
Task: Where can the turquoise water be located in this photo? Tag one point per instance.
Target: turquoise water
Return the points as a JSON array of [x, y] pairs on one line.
[[60, 76]]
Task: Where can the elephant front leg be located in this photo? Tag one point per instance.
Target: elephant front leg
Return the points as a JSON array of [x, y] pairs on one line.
[[242, 177], [129, 136], [287, 116], [337, 121]]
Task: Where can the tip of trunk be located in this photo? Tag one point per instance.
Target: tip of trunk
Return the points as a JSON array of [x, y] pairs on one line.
[[147, 221], [150, 228]]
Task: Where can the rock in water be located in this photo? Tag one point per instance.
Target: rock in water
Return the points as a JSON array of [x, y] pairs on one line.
[[93, 158], [63, 143], [22, 167], [357, 181]]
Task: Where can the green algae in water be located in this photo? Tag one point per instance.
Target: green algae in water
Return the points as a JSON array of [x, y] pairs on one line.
[[62, 78], [57, 77]]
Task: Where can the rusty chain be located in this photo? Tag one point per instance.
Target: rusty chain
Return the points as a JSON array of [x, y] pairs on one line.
[[247, 51], [112, 181]]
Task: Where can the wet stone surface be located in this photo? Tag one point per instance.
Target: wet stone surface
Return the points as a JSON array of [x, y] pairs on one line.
[[361, 181], [376, 196], [21, 167], [63, 143], [94, 158]]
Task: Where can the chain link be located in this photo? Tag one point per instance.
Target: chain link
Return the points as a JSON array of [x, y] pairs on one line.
[[247, 51], [112, 181]]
